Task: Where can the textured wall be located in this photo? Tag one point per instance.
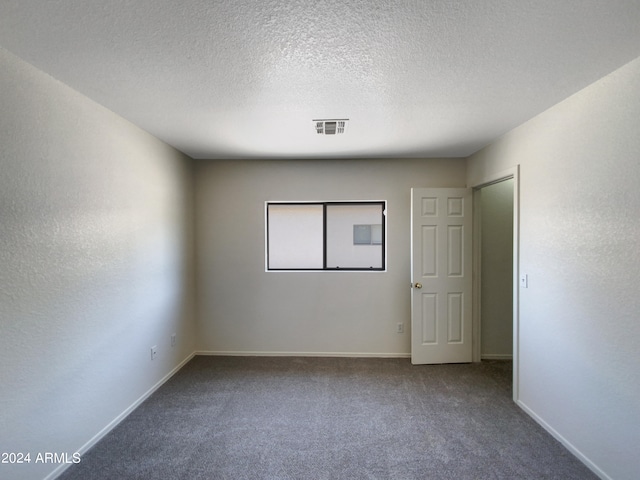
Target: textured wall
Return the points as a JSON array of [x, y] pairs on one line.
[[496, 205], [242, 308], [95, 265], [579, 231]]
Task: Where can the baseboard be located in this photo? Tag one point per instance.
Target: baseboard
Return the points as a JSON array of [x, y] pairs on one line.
[[114, 423], [568, 445], [301, 354], [496, 356]]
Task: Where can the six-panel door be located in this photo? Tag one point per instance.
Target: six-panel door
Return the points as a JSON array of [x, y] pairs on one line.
[[441, 220]]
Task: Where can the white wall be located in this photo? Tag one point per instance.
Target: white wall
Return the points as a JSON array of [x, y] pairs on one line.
[[496, 230], [579, 318], [242, 308], [95, 250]]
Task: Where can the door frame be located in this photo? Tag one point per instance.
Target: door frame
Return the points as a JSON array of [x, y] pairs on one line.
[[477, 185]]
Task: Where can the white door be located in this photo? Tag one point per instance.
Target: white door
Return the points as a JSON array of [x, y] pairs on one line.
[[441, 220]]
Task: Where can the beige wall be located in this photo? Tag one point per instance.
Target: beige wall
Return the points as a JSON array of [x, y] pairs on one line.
[[95, 255], [579, 347], [243, 309]]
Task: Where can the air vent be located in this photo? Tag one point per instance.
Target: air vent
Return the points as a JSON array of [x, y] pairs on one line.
[[330, 126]]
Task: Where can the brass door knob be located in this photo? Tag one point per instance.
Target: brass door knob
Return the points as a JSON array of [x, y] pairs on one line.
[[417, 285]]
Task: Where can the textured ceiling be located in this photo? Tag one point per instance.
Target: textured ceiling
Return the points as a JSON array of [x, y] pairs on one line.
[[244, 79]]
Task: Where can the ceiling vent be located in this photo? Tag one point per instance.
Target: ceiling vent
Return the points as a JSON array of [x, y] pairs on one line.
[[330, 126]]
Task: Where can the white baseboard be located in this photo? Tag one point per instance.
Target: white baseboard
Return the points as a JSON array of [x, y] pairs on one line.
[[568, 445], [301, 354], [114, 423], [496, 356]]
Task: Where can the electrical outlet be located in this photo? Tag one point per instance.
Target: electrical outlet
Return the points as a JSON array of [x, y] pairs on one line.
[[154, 352], [400, 327], [173, 340]]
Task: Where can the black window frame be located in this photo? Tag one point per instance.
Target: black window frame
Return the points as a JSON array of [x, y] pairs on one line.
[[383, 245]]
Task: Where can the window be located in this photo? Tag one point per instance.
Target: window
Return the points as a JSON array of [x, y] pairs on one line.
[[325, 235]]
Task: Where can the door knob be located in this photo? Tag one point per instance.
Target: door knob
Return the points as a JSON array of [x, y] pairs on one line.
[[417, 285]]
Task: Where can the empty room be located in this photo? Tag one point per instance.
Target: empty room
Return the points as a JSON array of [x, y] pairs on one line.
[[319, 240]]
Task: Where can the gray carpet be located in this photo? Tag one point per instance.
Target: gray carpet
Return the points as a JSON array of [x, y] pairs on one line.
[[330, 418]]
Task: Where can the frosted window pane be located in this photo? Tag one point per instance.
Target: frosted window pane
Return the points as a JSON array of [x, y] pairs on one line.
[[345, 229], [295, 236]]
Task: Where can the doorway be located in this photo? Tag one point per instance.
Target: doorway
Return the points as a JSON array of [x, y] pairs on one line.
[[496, 269], [495, 205]]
